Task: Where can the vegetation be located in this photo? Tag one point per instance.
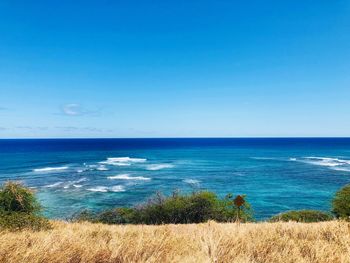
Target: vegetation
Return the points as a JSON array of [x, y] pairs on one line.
[[305, 216], [341, 203], [204, 241], [19, 208], [286, 242], [197, 207]]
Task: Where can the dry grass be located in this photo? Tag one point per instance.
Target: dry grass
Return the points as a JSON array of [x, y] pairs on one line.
[[210, 242]]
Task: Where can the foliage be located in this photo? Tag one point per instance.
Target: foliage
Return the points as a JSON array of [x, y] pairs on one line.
[[176, 209], [16, 198], [341, 203], [110, 216], [18, 221], [19, 208], [305, 216]]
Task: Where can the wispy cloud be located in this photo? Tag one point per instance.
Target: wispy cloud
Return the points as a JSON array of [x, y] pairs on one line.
[[72, 109], [87, 129], [75, 109]]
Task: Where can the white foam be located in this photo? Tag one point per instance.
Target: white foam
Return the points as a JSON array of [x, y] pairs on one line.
[[54, 185], [331, 163], [156, 167], [102, 168], [50, 169], [105, 189], [191, 181], [122, 161], [117, 188], [102, 189], [79, 180], [77, 185], [128, 177], [326, 161], [74, 183], [343, 169]]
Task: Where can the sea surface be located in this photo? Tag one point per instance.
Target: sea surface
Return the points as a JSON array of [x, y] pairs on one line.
[[276, 174]]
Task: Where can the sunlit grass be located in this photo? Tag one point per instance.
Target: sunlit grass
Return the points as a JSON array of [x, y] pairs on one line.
[[207, 242]]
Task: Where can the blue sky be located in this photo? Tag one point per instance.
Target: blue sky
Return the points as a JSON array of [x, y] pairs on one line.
[[174, 68]]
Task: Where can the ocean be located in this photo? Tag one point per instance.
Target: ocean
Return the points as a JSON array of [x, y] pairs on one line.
[[276, 174]]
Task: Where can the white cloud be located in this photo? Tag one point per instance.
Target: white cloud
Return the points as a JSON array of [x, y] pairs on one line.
[[72, 109]]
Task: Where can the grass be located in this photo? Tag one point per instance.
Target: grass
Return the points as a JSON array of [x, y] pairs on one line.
[[285, 242]]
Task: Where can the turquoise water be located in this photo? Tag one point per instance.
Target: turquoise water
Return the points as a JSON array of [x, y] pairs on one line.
[[276, 174]]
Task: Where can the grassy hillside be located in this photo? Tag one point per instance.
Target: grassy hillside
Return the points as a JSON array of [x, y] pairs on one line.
[[207, 242]]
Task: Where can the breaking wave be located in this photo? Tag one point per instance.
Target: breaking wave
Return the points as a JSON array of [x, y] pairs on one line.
[[128, 177], [53, 185], [191, 181], [50, 169], [105, 189], [122, 161], [156, 167], [332, 163]]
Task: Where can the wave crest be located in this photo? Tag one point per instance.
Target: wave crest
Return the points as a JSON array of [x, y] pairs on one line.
[[51, 169], [105, 189], [122, 161], [128, 177], [156, 167]]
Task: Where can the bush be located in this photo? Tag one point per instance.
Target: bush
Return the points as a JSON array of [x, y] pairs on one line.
[[341, 203], [176, 209], [18, 221], [110, 216], [19, 208], [16, 198], [305, 216]]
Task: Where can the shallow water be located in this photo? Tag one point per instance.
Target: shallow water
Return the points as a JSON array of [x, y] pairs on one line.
[[276, 174]]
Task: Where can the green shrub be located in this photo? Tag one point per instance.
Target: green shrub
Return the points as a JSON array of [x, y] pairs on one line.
[[16, 198], [16, 221], [341, 203], [176, 209], [306, 216], [19, 209]]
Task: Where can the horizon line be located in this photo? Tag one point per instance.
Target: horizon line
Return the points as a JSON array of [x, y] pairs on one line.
[[214, 137]]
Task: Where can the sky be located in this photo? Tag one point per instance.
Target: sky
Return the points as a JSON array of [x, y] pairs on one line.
[[174, 68]]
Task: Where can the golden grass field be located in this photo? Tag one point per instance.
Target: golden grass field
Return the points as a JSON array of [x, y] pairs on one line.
[[207, 242]]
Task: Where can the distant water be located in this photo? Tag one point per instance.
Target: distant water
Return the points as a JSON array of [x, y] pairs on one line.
[[276, 174]]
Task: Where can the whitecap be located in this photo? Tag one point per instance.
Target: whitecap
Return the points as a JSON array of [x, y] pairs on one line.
[[50, 169], [342, 169], [105, 189], [331, 163], [102, 189], [117, 188], [191, 181], [156, 167], [102, 168], [122, 161], [79, 180], [128, 177], [326, 161], [53, 185], [77, 185], [73, 183]]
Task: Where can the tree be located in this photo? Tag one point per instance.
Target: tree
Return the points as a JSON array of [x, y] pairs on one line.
[[341, 203]]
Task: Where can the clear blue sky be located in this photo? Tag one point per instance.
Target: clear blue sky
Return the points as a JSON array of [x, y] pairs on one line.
[[174, 68]]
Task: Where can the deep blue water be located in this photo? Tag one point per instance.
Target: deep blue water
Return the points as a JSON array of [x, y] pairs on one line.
[[276, 174]]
